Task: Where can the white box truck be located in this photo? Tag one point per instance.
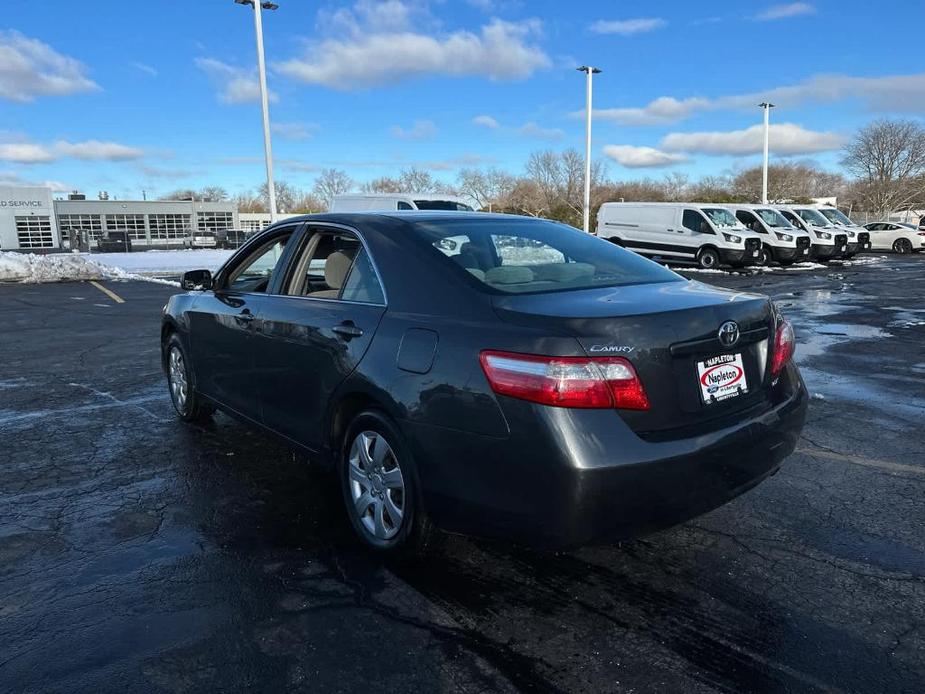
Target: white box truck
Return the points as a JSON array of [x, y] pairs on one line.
[[392, 202]]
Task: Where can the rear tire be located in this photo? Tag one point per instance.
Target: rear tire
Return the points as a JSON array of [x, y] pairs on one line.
[[187, 403], [381, 491], [902, 246], [708, 258]]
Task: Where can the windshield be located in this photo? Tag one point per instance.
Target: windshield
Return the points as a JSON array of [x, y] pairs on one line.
[[442, 205], [774, 219], [836, 216], [721, 217], [534, 256], [813, 217]]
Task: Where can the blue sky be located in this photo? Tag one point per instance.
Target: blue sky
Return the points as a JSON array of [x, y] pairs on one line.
[[157, 95]]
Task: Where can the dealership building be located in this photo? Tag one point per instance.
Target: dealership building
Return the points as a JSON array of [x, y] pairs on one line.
[[32, 220]]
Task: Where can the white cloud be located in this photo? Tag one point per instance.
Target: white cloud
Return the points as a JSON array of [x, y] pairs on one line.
[[25, 153], [96, 150], [147, 69], [12, 178], [642, 157], [792, 9], [785, 139], [665, 109], [420, 130], [30, 68], [32, 153], [486, 122], [531, 129], [380, 44], [886, 94], [295, 131], [235, 85], [627, 27]]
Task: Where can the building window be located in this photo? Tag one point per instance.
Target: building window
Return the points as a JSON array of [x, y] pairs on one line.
[[213, 221], [91, 223], [254, 224], [169, 226], [34, 232], [134, 224]]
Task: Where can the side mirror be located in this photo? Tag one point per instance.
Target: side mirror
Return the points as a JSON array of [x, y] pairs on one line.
[[705, 228], [196, 279]]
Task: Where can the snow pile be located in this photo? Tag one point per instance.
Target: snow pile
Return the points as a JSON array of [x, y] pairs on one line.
[[29, 268], [174, 261], [56, 267]]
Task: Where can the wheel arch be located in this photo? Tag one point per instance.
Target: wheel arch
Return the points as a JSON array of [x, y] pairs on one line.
[[344, 408]]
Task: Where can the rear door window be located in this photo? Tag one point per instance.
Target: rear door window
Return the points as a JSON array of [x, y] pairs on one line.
[[335, 265]]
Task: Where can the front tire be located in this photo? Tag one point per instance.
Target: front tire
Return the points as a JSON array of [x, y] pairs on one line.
[[764, 257], [902, 246], [708, 258], [186, 401], [380, 487]]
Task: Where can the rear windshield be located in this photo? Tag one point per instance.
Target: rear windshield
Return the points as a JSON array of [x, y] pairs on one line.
[[521, 256], [442, 205]]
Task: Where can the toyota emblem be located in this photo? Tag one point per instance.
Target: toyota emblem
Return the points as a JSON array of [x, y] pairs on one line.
[[728, 333]]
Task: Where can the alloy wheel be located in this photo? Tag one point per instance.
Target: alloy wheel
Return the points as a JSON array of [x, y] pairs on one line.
[[377, 487], [179, 387]]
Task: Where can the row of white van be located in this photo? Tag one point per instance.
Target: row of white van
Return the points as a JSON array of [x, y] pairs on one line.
[[735, 235]]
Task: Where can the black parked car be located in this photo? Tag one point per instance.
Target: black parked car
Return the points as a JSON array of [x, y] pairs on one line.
[[114, 242], [526, 381]]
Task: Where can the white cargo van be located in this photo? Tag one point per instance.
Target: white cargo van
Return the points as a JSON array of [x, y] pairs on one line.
[[709, 234], [781, 242], [391, 202], [829, 241], [858, 236]]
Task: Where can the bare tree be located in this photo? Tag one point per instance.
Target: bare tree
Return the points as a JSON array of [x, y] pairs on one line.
[[888, 159], [249, 202], [676, 186], [206, 194], [286, 196], [415, 180], [788, 182], [488, 188], [213, 194], [331, 182], [384, 184]]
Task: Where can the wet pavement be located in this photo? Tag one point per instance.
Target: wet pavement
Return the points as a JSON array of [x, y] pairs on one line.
[[141, 554]]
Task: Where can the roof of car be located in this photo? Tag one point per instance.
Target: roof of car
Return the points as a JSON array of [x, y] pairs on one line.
[[406, 216]]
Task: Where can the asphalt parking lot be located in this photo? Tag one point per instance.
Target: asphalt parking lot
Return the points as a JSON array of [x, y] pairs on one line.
[[141, 554]]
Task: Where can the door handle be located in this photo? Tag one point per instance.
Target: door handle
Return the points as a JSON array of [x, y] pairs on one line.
[[347, 330], [244, 317]]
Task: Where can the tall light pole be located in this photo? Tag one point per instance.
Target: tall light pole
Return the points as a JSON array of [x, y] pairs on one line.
[[264, 100], [586, 212], [764, 171]]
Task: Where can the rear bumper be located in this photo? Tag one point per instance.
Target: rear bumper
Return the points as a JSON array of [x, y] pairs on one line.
[[574, 477]]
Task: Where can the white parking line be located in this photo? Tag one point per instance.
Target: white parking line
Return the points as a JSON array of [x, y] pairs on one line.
[[861, 460]]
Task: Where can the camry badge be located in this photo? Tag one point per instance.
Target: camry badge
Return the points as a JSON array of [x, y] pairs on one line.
[[728, 333]]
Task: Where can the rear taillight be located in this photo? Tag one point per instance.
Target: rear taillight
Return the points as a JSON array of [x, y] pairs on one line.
[[565, 381], [784, 346]]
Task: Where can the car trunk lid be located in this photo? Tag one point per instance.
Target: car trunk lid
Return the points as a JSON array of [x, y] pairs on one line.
[[670, 333]]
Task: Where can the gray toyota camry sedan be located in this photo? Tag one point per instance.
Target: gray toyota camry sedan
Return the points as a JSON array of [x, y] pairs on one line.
[[489, 374]]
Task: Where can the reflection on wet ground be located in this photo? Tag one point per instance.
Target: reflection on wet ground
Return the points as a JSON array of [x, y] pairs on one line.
[[139, 553]]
